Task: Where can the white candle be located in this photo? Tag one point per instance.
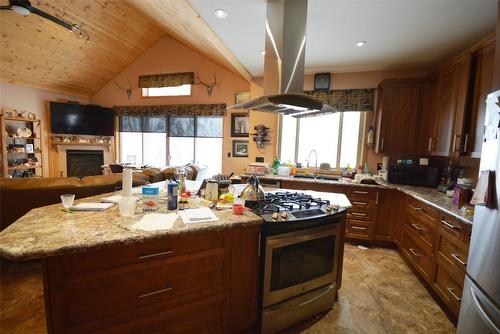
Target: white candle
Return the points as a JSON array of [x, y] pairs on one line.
[[127, 183]]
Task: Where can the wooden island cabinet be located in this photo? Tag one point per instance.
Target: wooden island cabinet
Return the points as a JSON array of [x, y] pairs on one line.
[[175, 284]]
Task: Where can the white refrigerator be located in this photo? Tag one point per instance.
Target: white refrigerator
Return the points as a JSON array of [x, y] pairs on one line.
[[480, 309]]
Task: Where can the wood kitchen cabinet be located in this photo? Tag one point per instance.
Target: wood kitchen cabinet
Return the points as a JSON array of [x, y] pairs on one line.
[[451, 95], [481, 80], [174, 284], [458, 103], [400, 104]]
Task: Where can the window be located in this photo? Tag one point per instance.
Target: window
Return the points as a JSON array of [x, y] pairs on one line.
[[176, 140], [335, 137], [182, 90]]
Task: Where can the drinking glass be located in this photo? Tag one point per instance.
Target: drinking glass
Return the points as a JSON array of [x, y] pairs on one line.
[[67, 200], [127, 206]]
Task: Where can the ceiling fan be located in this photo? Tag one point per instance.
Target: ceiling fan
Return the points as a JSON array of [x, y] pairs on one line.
[[24, 8]]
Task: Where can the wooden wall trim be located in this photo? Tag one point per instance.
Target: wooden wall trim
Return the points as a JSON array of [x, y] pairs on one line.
[[496, 68]]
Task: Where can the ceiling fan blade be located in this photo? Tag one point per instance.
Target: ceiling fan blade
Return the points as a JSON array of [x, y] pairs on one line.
[[50, 17]]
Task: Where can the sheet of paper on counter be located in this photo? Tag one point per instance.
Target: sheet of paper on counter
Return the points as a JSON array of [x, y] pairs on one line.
[[156, 221]]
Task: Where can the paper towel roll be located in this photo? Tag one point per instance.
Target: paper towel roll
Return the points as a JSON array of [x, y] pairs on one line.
[[385, 163], [127, 183]]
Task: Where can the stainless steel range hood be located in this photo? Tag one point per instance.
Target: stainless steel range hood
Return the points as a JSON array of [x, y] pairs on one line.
[[286, 23]]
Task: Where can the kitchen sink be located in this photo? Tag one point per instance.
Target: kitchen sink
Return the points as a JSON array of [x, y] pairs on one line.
[[319, 177]]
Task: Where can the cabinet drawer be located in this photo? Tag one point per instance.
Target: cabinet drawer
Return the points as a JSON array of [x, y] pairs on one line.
[[449, 285], [454, 227], [127, 292], [360, 214], [417, 253], [421, 210], [361, 193], [204, 316], [75, 266], [453, 250], [357, 229], [362, 204], [423, 228]]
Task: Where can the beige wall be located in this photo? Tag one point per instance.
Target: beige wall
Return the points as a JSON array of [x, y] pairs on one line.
[[168, 55], [36, 101]]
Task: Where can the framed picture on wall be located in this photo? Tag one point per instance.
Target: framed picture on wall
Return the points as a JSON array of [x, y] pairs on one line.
[[239, 125], [241, 97], [322, 81], [240, 148]]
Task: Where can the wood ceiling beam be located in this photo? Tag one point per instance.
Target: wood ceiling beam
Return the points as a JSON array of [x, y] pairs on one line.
[[181, 21]]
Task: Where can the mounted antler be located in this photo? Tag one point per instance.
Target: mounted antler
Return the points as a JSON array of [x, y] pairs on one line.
[[210, 87], [128, 90]]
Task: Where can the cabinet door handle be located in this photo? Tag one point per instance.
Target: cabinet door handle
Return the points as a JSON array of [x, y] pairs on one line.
[[452, 292], [148, 256], [455, 256], [361, 192], [382, 145], [358, 228], [429, 145], [466, 140], [359, 214], [417, 227], [453, 227], [149, 294], [360, 203], [414, 252], [456, 140]]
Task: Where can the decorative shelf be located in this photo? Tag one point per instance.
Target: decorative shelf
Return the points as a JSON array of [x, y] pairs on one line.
[[24, 167], [19, 119], [30, 138]]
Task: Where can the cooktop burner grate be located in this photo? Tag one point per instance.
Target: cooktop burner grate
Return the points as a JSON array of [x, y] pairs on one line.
[[286, 201]]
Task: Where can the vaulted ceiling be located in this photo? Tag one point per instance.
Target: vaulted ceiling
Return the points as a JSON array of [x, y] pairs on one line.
[[42, 54]]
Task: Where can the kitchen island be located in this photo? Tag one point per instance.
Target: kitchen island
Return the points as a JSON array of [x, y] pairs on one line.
[[101, 275]]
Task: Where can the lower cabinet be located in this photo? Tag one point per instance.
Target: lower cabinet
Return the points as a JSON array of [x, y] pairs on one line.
[[176, 284]]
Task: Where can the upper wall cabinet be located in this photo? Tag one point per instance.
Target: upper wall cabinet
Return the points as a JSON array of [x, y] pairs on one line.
[[399, 107], [481, 79], [451, 106], [441, 115]]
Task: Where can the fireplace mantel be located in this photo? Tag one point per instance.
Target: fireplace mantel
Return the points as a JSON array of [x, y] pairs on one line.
[[61, 146]]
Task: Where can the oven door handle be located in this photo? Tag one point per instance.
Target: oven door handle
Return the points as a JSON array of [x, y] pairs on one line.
[[301, 236]]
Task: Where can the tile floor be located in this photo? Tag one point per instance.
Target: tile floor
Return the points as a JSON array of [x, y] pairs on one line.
[[379, 294]]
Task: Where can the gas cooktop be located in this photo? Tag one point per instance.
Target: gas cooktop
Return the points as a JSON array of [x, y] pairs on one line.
[[283, 207]]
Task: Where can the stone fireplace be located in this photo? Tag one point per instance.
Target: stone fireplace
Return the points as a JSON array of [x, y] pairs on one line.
[[82, 163]]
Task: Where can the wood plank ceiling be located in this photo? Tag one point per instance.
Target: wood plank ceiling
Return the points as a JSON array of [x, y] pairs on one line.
[[39, 53]]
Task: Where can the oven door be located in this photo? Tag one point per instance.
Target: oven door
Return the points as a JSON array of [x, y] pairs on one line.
[[299, 261]]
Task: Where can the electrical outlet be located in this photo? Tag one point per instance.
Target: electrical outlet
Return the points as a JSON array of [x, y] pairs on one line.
[[229, 154]]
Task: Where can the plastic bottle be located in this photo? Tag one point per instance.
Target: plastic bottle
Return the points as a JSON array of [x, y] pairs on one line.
[[172, 191]]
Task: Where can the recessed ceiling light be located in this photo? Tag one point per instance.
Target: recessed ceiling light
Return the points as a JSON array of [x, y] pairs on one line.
[[360, 43], [220, 13], [21, 10], [263, 52]]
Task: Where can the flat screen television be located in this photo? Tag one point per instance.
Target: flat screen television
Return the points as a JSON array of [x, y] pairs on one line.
[[79, 119]]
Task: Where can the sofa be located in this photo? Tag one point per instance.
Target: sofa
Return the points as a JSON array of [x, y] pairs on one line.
[[19, 196]]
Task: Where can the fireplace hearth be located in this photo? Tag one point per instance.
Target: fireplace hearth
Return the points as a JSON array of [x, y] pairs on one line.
[[82, 163]]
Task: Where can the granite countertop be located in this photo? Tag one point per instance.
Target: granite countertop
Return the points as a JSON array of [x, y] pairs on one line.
[[49, 231], [428, 195]]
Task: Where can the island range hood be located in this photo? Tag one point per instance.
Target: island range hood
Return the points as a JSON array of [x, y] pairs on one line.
[[286, 23]]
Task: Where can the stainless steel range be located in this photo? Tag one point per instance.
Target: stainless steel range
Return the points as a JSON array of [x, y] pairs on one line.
[[301, 257]]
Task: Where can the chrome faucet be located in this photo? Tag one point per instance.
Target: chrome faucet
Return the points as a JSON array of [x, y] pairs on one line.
[[315, 162]]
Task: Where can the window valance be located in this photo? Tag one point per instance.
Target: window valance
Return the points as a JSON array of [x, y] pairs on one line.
[[166, 80], [347, 99], [173, 109]]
